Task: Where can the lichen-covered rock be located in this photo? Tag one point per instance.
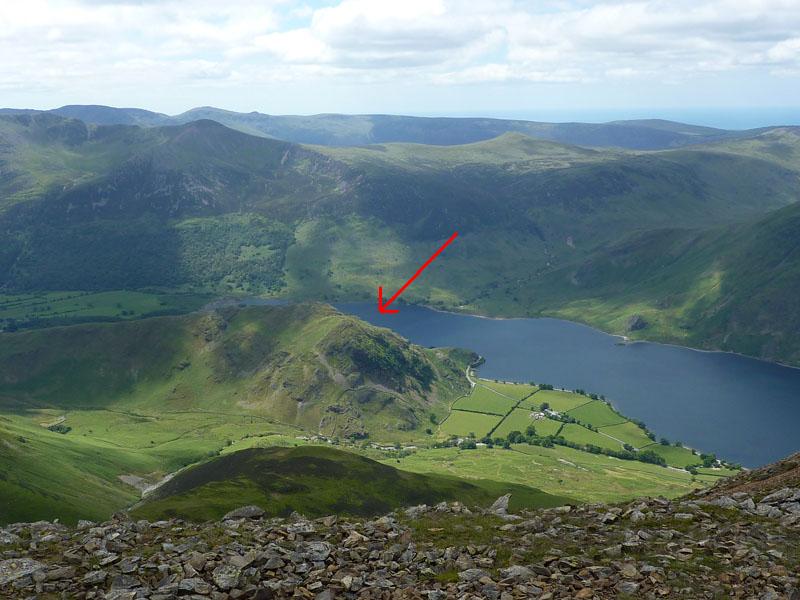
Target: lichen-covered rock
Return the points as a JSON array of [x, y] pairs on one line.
[[500, 506], [16, 568], [226, 577]]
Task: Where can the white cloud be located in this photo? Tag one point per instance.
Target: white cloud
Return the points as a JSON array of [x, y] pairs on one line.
[[78, 44], [785, 51]]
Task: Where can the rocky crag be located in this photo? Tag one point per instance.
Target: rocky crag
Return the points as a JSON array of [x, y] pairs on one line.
[[740, 539]]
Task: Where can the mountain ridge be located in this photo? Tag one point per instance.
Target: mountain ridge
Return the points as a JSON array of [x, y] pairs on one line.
[[360, 129]]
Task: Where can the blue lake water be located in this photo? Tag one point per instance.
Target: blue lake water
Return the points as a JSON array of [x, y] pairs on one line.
[[744, 410]]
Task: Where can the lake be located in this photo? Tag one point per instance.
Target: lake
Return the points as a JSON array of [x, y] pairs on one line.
[[742, 409]]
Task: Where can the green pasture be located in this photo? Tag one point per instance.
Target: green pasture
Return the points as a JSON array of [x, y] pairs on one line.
[[628, 433], [545, 427], [558, 400], [464, 423], [597, 413], [582, 435], [518, 391], [714, 474], [520, 418], [559, 470], [485, 401], [675, 456]]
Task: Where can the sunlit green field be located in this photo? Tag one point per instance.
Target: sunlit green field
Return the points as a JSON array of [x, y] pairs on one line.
[[518, 391], [582, 435], [628, 433], [559, 470], [675, 455], [519, 420], [466, 423], [149, 442], [713, 474], [558, 400], [51, 475], [485, 401], [317, 481], [502, 415], [597, 413]]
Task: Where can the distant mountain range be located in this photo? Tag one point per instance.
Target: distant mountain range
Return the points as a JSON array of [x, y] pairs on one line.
[[693, 244], [358, 130]]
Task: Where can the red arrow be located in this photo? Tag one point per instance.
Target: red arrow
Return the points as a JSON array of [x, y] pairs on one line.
[[383, 306]]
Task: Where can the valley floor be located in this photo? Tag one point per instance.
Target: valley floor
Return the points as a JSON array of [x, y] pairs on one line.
[[104, 445], [566, 444]]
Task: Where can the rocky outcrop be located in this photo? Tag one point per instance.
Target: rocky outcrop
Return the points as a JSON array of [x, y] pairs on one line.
[[717, 545], [636, 323], [759, 482], [245, 512], [500, 506]]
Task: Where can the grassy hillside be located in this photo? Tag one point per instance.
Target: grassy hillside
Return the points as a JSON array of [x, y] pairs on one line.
[[316, 481], [731, 288], [83, 405], [307, 365], [86, 207], [200, 168], [568, 198], [47, 475]]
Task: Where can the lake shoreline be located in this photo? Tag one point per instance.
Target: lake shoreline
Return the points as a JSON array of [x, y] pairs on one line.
[[625, 339], [734, 405], [267, 300]]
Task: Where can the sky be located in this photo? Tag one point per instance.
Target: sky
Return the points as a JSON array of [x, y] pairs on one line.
[[519, 58]]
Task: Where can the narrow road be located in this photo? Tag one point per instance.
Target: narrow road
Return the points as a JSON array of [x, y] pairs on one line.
[[471, 383]]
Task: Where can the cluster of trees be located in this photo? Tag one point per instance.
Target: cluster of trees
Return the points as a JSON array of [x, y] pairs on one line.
[[60, 428], [376, 355], [708, 460], [229, 252], [582, 392], [665, 442]]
